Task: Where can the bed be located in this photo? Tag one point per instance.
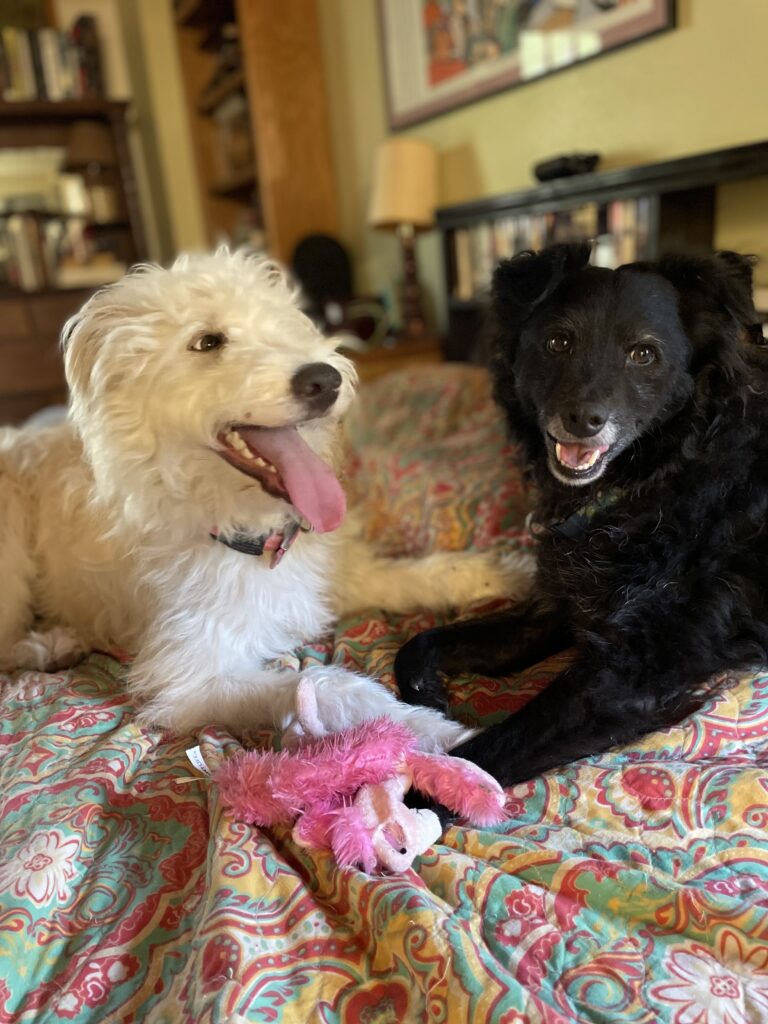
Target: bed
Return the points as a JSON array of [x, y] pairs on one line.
[[628, 887]]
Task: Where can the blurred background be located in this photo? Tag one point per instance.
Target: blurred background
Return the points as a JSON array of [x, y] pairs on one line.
[[388, 151]]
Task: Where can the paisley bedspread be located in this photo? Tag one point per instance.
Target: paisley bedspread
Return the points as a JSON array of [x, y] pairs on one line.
[[630, 887]]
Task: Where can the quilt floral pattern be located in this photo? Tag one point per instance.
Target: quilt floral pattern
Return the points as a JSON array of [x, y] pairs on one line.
[[628, 887]]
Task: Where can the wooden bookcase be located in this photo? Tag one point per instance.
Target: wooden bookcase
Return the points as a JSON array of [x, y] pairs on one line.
[[289, 186], [31, 371], [672, 207]]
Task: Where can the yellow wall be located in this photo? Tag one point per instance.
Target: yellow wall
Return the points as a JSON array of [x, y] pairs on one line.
[[699, 87]]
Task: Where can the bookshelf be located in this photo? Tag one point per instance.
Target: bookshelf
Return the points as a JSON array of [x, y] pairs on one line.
[[634, 213], [43, 282], [255, 91]]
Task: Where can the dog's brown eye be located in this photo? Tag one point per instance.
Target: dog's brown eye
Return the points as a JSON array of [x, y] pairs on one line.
[[642, 355], [207, 343], [559, 343]]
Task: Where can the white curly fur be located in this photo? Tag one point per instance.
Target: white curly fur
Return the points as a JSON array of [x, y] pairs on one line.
[[105, 519]]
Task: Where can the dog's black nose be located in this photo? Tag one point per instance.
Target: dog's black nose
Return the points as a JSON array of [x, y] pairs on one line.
[[317, 386], [585, 420]]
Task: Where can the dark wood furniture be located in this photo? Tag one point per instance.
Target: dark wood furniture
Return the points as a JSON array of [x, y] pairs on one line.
[[31, 372], [678, 197], [403, 354]]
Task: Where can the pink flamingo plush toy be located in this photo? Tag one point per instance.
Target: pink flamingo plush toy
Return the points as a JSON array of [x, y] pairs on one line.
[[344, 791]]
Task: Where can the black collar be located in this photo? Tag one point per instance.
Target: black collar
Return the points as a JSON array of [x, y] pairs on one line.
[[276, 542], [578, 522]]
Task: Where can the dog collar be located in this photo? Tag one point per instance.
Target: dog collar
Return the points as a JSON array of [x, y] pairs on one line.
[[577, 522], [276, 541]]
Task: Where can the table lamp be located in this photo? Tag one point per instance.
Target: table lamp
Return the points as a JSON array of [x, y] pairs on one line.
[[403, 201]]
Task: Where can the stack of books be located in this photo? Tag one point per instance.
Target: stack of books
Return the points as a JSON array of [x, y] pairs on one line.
[[39, 251], [43, 64], [620, 231]]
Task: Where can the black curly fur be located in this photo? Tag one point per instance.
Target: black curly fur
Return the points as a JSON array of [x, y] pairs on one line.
[[666, 585]]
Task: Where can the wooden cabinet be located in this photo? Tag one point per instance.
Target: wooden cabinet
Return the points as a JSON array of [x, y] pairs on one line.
[[288, 188], [31, 370]]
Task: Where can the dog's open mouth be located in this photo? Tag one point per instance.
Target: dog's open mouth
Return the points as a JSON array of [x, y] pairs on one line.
[[578, 460], [286, 467]]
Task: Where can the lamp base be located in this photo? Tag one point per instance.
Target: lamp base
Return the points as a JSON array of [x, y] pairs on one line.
[[414, 324]]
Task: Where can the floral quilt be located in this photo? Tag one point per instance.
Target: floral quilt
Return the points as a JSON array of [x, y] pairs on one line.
[[628, 887]]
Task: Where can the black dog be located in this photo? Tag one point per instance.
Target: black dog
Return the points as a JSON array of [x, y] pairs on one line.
[[639, 398]]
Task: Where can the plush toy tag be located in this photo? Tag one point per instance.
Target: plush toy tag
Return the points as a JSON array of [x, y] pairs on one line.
[[195, 755]]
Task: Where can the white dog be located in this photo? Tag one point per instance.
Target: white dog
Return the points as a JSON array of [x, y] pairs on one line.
[[201, 446]]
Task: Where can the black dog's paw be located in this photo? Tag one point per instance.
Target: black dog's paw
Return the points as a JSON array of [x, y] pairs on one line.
[[417, 680], [418, 801]]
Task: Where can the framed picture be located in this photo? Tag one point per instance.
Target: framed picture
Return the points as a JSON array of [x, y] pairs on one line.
[[441, 54]]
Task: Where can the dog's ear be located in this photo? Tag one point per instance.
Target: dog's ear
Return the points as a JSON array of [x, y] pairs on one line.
[[78, 351], [717, 311], [521, 283], [739, 265], [718, 284], [82, 343]]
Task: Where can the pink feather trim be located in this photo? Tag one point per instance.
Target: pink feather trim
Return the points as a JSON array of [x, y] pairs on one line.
[[269, 788], [351, 841]]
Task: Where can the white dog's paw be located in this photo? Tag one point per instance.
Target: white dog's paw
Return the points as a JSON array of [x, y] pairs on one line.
[[50, 651], [330, 699]]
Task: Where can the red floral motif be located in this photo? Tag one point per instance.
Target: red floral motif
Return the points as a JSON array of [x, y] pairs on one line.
[[93, 986], [653, 787], [643, 794], [86, 720], [221, 960], [525, 908], [379, 1003]]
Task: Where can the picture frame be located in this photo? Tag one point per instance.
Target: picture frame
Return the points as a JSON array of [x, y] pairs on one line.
[[439, 55]]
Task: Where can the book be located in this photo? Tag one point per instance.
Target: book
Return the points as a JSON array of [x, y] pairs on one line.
[[42, 64], [37, 65], [24, 253], [484, 258], [49, 44], [14, 88], [5, 74], [26, 66], [463, 262]]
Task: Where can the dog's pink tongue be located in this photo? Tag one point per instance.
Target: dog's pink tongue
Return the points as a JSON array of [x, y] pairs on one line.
[[574, 455], [311, 484]]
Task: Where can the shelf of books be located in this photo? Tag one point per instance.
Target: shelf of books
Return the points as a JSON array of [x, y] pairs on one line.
[[620, 230], [628, 214], [47, 64]]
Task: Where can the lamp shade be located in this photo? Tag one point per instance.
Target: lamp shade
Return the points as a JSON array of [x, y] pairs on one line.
[[404, 184]]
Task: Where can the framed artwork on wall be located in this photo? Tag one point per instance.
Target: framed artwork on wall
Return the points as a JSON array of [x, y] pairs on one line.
[[442, 54]]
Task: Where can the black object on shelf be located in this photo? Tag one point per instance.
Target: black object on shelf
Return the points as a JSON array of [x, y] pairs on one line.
[[566, 166], [85, 36], [323, 267], [324, 270]]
